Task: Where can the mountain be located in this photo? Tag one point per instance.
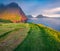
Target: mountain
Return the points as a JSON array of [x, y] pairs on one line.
[[29, 16], [41, 16], [2, 8], [13, 5], [13, 13], [28, 37]]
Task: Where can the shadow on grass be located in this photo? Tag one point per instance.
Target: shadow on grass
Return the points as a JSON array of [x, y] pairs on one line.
[[5, 34], [48, 40], [33, 42]]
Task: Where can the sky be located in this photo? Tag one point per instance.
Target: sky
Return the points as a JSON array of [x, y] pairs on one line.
[[50, 8]]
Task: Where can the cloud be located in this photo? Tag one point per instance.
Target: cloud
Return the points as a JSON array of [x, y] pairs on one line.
[[54, 12]]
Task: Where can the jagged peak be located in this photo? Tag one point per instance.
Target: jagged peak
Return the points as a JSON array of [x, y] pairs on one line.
[[2, 5], [13, 5]]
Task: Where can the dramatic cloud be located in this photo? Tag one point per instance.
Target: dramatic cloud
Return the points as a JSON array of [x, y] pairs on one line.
[[54, 12], [49, 8]]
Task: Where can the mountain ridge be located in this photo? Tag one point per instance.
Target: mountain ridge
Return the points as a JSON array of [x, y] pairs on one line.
[[40, 16], [12, 12]]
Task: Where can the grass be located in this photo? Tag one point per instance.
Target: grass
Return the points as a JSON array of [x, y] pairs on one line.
[[28, 37]]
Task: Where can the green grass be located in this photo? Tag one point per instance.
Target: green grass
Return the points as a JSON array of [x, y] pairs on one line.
[[28, 37], [5, 21]]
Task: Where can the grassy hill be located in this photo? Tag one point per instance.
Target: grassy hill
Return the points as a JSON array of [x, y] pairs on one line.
[[5, 21], [28, 37]]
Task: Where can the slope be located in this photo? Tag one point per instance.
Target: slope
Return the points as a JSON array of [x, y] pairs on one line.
[[28, 37], [40, 38], [12, 12], [12, 35]]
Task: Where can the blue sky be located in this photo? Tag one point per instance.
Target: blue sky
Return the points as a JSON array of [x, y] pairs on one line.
[[50, 8]]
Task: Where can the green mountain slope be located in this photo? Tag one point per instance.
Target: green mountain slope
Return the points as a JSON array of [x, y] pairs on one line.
[[28, 37], [5, 21]]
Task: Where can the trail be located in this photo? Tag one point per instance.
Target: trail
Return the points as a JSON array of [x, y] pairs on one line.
[[29, 37], [38, 40], [13, 39], [31, 41]]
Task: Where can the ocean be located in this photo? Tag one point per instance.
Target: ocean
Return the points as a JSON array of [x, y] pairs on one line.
[[50, 22]]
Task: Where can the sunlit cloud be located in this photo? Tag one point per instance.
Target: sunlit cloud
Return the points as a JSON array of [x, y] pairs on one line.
[[50, 8], [54, 12]]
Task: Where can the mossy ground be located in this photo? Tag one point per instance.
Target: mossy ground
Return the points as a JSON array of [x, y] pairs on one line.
[[28, 37]]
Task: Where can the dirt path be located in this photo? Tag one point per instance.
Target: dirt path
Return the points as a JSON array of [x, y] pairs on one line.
[[13, 39]]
